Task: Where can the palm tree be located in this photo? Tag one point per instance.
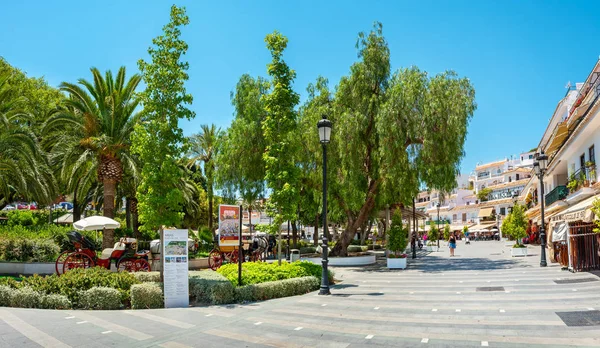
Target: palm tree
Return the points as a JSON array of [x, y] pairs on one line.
[[23, 167], [102, 115], [203, 148]]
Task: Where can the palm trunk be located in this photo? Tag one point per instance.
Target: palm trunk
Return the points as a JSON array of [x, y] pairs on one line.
[[294, 235], [134, 218], [76, 208], [128, 212], [110, 187]]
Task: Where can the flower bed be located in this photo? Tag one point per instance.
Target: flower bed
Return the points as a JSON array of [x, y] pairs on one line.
[[260, 272]]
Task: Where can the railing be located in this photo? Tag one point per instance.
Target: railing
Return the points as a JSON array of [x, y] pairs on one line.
[[584, 247], [583, 177], [559, 192]]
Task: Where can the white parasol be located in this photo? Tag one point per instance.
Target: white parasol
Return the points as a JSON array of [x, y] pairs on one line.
[[93, 223]]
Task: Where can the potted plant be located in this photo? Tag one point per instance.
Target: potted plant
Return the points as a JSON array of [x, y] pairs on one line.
[[432, 237], [396, 243], [515, 225], [591, 169], [596, 210], [446, 232], [572, 184]]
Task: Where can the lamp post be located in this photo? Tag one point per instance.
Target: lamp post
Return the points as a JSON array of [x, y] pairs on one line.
[[438, 224], [539, 165], [324, 127]]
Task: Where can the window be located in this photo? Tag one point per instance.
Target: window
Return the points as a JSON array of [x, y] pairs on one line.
[[530, 156], [510, 179], [592, 153], [464, 217], [516, 176], [502, 211], [454, 217], [582, 161]]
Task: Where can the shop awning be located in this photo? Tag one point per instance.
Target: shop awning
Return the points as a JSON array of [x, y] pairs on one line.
[[560, 134], [485, 212], [579, 211], [558, 232], [482, 227]]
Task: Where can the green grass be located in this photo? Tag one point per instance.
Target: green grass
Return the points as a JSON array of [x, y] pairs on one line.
[[15, 278]]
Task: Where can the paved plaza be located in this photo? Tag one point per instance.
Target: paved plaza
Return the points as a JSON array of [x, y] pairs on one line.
[[481, 297]]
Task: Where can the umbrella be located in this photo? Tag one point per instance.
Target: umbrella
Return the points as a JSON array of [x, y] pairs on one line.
[[64, 219], [93, 223]]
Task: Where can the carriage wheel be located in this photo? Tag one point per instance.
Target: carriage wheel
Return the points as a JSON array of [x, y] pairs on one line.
[[141, 265], [233, 257], [77, 260], [60, 261], [126, 265], [215, 259]]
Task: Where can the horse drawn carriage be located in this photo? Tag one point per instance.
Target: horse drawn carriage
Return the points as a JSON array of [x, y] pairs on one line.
[[124, 254], [254, 247]]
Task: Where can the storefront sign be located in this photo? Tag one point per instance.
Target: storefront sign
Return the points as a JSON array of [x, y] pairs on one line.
[[229, 225], [175, 268], [572, 216]]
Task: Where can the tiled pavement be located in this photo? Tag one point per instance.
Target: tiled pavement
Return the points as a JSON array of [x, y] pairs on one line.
[[434, 303]]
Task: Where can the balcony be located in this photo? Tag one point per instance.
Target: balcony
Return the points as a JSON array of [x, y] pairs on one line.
[[580, 184], [559, 192]]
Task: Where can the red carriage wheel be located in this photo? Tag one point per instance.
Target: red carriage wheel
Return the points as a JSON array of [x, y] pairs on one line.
[[126, 265], [77, 260], [215, 259], [233, 257], [60, 261], [141, 265]]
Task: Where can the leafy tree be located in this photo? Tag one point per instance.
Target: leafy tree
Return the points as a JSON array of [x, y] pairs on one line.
[[203, 148], [446, 231], [434, 232], [515, 223], [396, 133], [158, 139], [484, 194], [397, 234], [23, 168], [278, 127], [101, 116]]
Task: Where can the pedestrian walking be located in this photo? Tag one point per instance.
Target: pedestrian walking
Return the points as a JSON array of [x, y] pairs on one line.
[[452, 244]]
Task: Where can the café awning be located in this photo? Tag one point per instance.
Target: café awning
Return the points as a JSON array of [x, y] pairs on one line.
[[482, 227], [580, 211], [485, 212], [560, 134]]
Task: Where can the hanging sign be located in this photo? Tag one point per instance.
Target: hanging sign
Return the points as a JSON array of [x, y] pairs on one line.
[[175, 268], [229, 225]]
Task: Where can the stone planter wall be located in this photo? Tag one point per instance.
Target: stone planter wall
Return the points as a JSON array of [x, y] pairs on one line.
[[27, 268], [518, 252], [344, 261]]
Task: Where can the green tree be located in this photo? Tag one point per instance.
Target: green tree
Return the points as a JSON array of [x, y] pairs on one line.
[[484, 194], [278, 127], [397, 133], [434, 233], [515, 224], [158, 139], [101, 116], [23, 168], [203, 148], [397, 234], [447, 231]]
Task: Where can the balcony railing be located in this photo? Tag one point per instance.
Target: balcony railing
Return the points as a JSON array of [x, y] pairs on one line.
[[558, 193], [583, 177]]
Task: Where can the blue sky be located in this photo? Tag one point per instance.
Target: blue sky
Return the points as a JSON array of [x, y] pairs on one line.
[[518, 54]]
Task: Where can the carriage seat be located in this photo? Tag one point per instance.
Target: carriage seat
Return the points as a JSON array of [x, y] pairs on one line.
[[107, 253]]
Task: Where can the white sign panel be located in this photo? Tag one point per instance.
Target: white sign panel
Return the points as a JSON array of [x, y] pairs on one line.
[[175, 268]]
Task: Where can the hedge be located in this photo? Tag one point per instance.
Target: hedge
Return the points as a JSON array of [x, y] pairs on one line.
[[210, 287], [147, 296], [147, 277], [28, 250], [308, 250], [28, 298], [260, 272], [276, 289], [100, 297], [357, 248]]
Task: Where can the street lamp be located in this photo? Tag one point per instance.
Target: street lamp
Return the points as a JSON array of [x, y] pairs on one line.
[[324, 127], [539, 165], [438, 224]]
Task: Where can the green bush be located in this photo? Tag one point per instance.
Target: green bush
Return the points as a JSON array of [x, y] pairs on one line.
[[308, 250], [54, 301], [357, 248], [100, 297], [276, 289], [72, 283], [260, 272], [22, 218], [28, 250], [210, 287], [147, 296], [25, 298], [147, 277], [5, 295]]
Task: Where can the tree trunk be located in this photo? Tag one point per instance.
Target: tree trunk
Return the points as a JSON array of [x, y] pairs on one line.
[[128, 212], [110, 186], [76, 207], [294, 235], [366, 233], [316, 233], [210, 214], [135, 224]]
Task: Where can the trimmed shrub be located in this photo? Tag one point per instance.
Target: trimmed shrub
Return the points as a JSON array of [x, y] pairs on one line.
[[260, 272], [210, 287], [100, 298], [25, 298], [308, 250], [28, 250], [276, 289], [55, 301], [147, 277], [357, 248], [147, 296], [5, 295]]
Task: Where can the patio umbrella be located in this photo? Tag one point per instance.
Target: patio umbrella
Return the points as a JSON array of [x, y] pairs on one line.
[[95, 223]]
